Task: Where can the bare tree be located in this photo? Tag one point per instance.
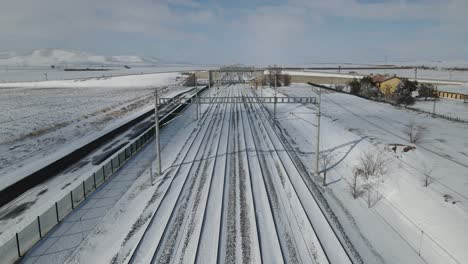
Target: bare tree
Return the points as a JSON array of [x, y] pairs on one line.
[[326, 160], [286, 79], [415, 132], [428, 174], [357, 173], [373, 165], [372, 168]]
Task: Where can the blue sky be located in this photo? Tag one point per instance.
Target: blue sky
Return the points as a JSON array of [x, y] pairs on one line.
[[249, 32]]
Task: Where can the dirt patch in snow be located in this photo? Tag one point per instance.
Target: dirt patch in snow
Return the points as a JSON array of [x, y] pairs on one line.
[[399, 148]]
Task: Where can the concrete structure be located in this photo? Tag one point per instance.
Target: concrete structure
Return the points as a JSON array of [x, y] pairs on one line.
[[451, 95]]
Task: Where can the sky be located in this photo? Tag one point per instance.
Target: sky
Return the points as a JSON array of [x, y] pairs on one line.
[[290, 32]]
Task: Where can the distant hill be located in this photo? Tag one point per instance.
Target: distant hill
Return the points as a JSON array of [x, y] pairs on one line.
[[62, 57]]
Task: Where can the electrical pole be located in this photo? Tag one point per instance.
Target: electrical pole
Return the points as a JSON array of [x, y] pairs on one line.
[[209, 80], [274, 109], [415, 74], [435, 99], [196, 96], [156, 136], [317, 152]]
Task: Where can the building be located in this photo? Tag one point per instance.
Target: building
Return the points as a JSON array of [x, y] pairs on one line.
[[387, 84]]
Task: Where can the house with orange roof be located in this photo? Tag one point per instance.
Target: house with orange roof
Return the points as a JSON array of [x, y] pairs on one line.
[[386, 83]]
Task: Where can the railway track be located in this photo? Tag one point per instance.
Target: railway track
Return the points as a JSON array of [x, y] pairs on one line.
[[233, 198], [164, 212], [302, 185]]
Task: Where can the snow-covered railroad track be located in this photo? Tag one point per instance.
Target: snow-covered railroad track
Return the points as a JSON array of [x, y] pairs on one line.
[[300, 186], [238, 233], [298, 241], [170, 213], [234, 198]]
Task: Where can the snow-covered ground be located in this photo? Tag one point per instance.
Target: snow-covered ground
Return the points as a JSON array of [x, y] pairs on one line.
[[409, 219], [228, 193], [42, 121], [457, 109], [23, 210], [437, 74], [42, 64], [454, 88], [35, 74]]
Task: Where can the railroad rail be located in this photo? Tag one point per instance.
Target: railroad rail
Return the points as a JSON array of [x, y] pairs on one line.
[[239, 99]]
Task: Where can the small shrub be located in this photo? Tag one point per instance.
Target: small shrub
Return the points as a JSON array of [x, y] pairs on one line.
[[427, 90], [404, 92], [355, 86]]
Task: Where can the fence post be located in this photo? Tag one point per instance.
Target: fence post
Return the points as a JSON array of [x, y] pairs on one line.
[[71, 198], [56, 212], [39, 226], [94, 179], [84, 190], [18, 245]]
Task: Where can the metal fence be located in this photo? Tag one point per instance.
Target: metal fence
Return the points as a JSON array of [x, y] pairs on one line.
[[18, 245]]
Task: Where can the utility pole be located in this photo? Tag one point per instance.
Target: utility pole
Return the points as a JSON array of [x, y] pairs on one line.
[[261, 89], [317, 152], [386, 63], [435, 99], [156, 136], [274, 109], [209, 80], [415, 73], [196, 96]]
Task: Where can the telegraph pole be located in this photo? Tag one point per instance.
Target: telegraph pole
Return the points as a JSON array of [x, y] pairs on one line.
[[317, 152], [274, 110], [209, 80], [196, 96], [156, 136]]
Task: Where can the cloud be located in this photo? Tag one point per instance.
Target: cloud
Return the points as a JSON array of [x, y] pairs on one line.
[[49, 18], [259, 31], [186, 3]]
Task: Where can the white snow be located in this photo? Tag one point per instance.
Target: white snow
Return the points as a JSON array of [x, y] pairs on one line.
[[63, 57], [234, 154], [41, 121], [194, 212], [456, 109], [425, 76], [391, 230]]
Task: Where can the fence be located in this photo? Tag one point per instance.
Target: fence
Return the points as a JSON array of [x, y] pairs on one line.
[[17, 246], [451, 95]]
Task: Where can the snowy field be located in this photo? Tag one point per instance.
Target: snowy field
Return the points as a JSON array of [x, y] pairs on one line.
[[408, 219], [447, 107], [454, 88], [34, 74], [232, 190], [42, 121], [438, 74], [228, 193], [20, 212]]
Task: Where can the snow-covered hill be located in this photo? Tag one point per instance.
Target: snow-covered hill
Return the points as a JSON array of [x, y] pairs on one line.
[[62, 57]]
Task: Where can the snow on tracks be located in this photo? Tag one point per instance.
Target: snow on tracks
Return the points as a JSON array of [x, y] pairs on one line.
[[234, 199]]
